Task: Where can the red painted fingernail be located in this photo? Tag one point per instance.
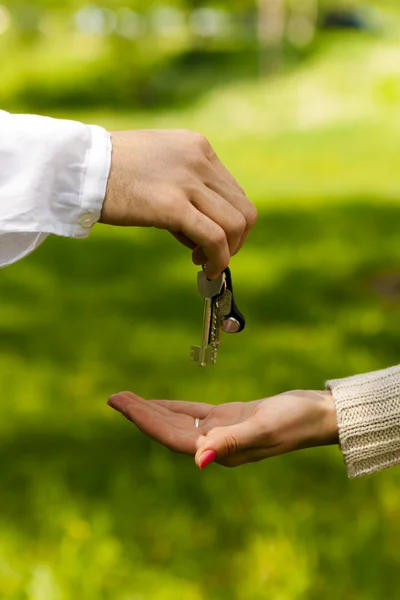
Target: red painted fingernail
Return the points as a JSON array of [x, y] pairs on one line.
[[207, 457]]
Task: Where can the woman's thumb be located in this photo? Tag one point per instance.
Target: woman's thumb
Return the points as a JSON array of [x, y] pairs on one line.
[[224, 441]]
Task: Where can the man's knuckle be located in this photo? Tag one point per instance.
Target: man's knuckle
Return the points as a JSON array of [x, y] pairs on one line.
[[217, 238], [239, 224], [251, 215], [234, 231], [198, 161], [202, 142]]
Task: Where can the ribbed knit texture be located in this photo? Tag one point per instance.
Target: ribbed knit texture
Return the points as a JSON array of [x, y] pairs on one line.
[[368, 413]]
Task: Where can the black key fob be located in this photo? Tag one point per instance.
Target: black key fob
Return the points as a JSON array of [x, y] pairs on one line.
[[234, 322]]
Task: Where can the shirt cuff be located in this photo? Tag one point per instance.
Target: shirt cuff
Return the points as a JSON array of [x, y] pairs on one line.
[[97, 166], [53, 180], [368, 414]]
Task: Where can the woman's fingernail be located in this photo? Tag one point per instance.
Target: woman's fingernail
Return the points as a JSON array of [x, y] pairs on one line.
[[207, 457]]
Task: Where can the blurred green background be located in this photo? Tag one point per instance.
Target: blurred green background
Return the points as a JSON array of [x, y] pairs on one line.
[[301, 100]]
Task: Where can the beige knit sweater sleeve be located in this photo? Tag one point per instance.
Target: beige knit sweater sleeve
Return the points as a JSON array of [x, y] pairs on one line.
[[368, 413]]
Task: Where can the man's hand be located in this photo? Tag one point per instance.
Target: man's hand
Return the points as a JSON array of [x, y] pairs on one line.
[[235, 433], [173, 180]]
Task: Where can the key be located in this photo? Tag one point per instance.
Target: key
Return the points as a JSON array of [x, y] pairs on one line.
[[220, 313], [222, 306], [209, 290]]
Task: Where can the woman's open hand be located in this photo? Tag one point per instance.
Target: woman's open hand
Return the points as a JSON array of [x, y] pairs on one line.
[[235, 433]]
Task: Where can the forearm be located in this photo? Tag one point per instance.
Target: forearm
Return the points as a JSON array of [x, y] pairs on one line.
[[368, 416], [53, 177]]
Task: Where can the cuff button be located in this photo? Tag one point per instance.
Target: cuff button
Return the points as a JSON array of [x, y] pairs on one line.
[[86, 220]]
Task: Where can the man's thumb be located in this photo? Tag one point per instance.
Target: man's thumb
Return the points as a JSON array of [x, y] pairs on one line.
[[224, 441]]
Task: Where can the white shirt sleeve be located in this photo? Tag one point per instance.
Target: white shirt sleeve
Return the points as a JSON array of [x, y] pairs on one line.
[[53, 178]]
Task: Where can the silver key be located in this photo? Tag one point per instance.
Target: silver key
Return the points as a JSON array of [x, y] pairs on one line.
[[211, 291], [222, 306]]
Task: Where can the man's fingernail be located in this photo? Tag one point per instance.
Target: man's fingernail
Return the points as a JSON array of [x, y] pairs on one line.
[[117, 401], [207, 457]]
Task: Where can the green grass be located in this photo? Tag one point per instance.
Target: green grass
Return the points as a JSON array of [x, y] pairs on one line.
[[91, 509]]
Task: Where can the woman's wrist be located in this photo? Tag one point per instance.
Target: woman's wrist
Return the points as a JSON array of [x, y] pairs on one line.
[[299, 419], [328, 432]]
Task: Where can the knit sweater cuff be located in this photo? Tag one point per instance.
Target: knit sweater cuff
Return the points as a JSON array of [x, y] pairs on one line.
[[368, 414]]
